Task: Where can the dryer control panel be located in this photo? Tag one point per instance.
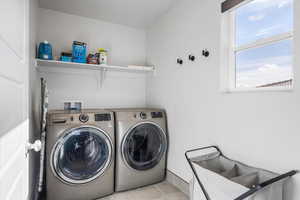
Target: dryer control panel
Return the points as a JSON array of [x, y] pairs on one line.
[[156, 115], [148, 115]]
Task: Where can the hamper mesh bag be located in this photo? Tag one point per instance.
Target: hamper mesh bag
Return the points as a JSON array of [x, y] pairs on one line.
[[218, 178]]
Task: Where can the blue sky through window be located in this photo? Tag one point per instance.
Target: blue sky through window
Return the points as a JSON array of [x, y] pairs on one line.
[[261, 19], [264, 65]]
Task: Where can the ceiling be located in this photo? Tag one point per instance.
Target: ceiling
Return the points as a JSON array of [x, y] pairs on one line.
[[134, 13]]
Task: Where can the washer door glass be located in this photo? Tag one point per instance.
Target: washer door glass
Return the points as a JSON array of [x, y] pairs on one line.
[[82, 155], [144, 146]]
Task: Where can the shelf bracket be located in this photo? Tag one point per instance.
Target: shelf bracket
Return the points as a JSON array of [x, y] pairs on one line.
[[101, 77], [154, 73]]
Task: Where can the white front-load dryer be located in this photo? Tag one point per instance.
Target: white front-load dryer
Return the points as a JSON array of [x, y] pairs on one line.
[[141, 143], [79, 155]]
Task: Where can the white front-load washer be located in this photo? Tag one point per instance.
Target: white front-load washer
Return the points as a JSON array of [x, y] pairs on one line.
[[141, 147], [79, 155]]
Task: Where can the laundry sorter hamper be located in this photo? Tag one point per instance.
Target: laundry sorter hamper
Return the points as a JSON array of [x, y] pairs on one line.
[[217, 177]]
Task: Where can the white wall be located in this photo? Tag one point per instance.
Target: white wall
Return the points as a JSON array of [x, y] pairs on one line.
[[125, 45], [261, 129]]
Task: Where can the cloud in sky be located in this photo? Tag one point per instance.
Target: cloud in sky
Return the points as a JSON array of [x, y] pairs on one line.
[[267, 31], [266, 74], [262, 4], [269, 67], [254, 73], [254, 18], [283, 3], [255, 64]]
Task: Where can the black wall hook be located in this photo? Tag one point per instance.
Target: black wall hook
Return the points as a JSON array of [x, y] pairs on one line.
[[179, 61], [205, 53], [192, 57]]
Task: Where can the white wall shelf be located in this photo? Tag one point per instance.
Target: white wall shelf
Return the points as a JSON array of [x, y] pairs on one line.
[[61, 64], [42, 66]]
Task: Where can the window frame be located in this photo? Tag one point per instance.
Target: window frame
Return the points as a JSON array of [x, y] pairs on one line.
[[230, 49]]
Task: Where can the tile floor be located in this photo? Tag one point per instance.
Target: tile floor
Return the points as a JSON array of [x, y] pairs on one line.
[[160, 191]]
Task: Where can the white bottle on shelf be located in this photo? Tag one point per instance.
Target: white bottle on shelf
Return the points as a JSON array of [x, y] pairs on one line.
[[102, 56]]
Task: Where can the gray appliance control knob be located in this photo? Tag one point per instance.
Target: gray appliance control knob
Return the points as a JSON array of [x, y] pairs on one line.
[[83, 118], [143, 115]]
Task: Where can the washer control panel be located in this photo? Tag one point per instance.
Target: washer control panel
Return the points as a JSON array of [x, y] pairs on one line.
[[83, 118], [143, 115], [80, 118], [102, 117]]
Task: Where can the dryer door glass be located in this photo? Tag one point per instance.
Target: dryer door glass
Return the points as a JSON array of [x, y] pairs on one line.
[[144, 146], [82, 155]]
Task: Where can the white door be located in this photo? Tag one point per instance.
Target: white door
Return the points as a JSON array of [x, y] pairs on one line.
[[13, 99]]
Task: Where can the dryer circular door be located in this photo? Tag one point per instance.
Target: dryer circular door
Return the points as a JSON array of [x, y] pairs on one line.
[[81, 155], [144, 146]]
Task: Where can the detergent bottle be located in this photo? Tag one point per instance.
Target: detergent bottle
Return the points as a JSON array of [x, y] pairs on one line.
[[45, 51]]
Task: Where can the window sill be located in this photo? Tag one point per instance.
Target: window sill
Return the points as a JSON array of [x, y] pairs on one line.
[[256, 90]]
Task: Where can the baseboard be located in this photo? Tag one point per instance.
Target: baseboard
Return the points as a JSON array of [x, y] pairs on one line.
[[178, 182]]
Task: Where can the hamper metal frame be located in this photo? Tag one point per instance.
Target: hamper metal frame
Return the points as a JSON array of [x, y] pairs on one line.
[[251, 191]]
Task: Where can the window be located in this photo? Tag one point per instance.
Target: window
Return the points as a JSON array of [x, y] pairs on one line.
[[260, 44]]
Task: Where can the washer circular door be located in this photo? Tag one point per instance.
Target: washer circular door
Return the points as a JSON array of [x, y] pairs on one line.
[[144, 146], [82, 155]]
